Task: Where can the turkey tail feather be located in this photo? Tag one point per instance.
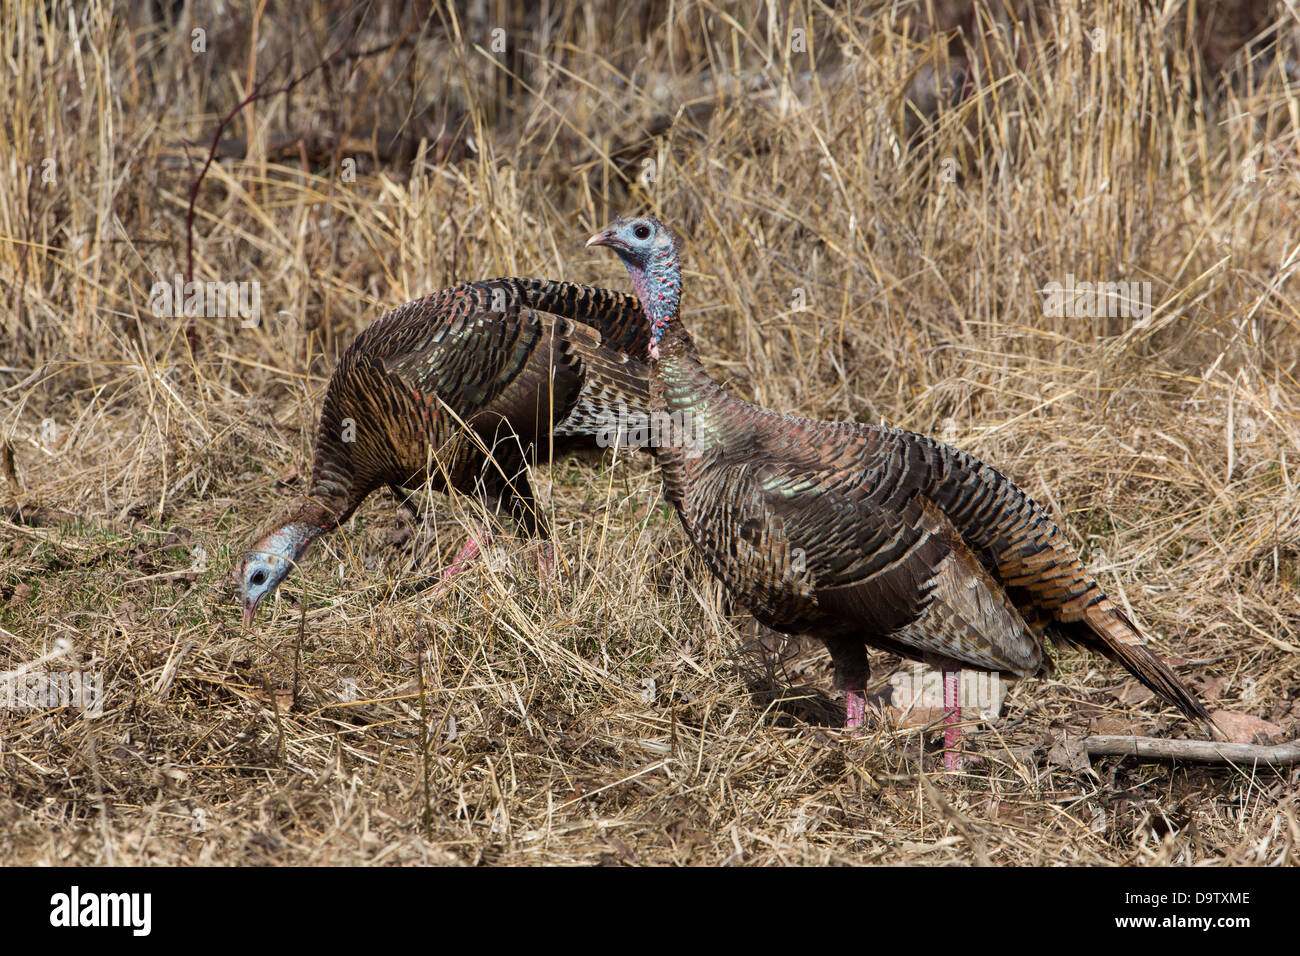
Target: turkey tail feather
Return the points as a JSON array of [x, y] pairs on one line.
[[1109, 631]]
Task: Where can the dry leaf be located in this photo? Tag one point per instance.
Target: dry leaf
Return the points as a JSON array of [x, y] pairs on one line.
[[1244, 728], [283, 698], [1111, 725], [1211, 688], [908, 717], [1068, 752], [1133, 693]]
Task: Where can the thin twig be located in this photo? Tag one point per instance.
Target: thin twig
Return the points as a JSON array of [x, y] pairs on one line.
[[1197, 751], [1159, 748], [254, 95]]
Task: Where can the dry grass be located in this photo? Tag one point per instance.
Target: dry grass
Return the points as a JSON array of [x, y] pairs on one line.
[[621, 715]]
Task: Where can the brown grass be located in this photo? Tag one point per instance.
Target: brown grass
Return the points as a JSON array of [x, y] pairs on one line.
[[621, 715]]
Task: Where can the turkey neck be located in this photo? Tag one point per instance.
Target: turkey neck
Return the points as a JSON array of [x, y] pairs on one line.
[[293, 536], [681, 382], [695, 408]]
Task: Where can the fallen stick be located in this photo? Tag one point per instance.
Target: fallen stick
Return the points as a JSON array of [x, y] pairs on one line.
[[1160, 748], [1199, 751]]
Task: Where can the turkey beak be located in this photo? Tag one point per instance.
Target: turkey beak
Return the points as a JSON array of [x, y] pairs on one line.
[[606, 238], [250, 608]]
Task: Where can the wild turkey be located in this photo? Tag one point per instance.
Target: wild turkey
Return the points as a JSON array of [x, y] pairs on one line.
[[511, 367], [863, 535]]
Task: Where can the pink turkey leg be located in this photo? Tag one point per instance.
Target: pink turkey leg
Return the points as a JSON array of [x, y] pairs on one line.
[[545, 560], [463, 558], [952, 718], [855, 705]]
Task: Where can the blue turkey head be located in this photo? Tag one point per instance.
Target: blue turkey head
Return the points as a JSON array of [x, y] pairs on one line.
[[649, 250], [269, 562]]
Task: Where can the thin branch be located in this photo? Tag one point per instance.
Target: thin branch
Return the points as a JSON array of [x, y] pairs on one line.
[[1197, 751], [258, 92], [1159, 748]]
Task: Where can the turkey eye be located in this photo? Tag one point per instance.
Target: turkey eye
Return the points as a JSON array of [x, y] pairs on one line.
[[258, 577], [642, 231]]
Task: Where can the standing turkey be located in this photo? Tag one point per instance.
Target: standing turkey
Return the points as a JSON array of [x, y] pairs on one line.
[[462, 388], [863, 535]]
